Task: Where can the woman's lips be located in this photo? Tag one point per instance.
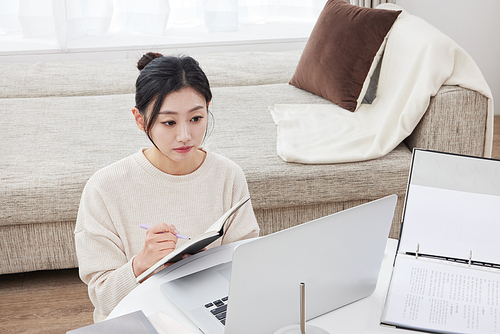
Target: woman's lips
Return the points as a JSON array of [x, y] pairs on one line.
[[183, 149]]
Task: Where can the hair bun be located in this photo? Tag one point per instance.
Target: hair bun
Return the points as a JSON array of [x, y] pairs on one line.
[[146, 59]]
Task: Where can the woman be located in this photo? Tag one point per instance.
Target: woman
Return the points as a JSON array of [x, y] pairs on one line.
[[174, 185]]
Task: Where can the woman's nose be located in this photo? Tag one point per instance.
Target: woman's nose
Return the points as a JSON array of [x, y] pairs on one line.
[[183, 135]]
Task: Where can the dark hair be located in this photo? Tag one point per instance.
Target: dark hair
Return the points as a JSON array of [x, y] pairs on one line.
[[161, 76]]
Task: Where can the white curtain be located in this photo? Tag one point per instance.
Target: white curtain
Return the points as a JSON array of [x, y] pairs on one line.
[[370, 3], [64, 20], [9, 23]]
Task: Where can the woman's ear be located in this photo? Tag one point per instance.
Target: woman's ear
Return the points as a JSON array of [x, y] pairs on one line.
[[139, 119]]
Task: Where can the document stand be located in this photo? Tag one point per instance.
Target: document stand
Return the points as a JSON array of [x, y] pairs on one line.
[[302, 327]]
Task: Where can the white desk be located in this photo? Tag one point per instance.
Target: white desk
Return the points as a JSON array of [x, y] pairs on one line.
[[360, 317]]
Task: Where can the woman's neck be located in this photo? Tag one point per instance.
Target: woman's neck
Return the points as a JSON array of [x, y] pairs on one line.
[[166, 165]]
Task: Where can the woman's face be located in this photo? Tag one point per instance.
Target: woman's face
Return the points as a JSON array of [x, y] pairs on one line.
[[178, 132]]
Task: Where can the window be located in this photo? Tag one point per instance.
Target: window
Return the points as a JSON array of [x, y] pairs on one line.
[[72, 25]]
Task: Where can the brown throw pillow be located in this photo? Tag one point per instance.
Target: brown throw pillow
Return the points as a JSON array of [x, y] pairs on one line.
[[341, 52]]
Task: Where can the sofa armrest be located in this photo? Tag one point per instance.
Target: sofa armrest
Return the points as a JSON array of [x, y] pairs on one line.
[[454, 122]]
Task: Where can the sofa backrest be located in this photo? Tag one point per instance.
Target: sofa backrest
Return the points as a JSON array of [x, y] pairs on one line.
[[110, 77], [59, 79]]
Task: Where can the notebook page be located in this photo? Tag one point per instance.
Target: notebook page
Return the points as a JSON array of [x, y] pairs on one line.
[[444, 297], [452, 223]]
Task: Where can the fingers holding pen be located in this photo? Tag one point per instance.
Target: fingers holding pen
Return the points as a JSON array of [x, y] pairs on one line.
[[165, 235], [160, 241], [162, 237], [174, 231]]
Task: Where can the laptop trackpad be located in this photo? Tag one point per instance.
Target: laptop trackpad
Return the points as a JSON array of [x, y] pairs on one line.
[[226, 271], [206, 321]]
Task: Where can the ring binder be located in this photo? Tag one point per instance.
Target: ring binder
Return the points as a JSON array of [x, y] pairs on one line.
[[441, 288]]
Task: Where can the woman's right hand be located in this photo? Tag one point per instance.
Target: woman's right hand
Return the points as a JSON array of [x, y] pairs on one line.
[[160, 241]]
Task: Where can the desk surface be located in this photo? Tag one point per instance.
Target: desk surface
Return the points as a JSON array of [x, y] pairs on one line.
[[360, 317]]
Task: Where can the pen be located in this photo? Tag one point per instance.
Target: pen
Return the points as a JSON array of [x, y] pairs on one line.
[[178, 235]]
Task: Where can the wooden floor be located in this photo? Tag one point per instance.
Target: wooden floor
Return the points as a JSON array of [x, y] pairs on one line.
[[57, 301], [44, 302]]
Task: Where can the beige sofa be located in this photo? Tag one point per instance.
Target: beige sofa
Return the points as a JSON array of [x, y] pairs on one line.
[[63, 121]]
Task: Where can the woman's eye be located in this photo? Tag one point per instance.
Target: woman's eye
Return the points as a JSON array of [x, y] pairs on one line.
[[169, 123], [196, 119]]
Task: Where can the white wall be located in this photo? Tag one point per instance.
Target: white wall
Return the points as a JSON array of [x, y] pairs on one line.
[[474, 25]]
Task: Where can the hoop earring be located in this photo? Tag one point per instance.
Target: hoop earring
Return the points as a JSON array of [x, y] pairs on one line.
[[210, 126]]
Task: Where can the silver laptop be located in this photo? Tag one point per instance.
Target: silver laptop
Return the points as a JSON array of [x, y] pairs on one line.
[[338, 257]]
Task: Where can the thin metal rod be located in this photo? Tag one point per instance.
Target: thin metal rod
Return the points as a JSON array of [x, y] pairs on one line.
[[302, 308]]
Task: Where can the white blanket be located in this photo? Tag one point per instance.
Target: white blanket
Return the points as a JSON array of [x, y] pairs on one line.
[[413, 70]]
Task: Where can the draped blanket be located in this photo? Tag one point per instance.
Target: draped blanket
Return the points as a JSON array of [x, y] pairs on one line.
[[418, 60]]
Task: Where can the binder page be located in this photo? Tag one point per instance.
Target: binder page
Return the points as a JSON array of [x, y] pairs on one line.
[[443, 297], [451, 223]]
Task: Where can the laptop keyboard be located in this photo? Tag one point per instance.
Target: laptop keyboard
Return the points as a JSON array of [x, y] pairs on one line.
[[218, 309]]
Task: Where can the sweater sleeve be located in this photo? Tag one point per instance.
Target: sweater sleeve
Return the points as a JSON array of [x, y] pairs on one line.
[[102, 261], [243, 225]]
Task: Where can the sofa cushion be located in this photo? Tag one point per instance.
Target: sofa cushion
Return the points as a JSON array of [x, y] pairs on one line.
[[73, 78], [109, 77], [51, 147], [255, 68], [343, 51]]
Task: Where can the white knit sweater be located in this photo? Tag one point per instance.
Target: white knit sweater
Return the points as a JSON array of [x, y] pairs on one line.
[[130, 192]]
